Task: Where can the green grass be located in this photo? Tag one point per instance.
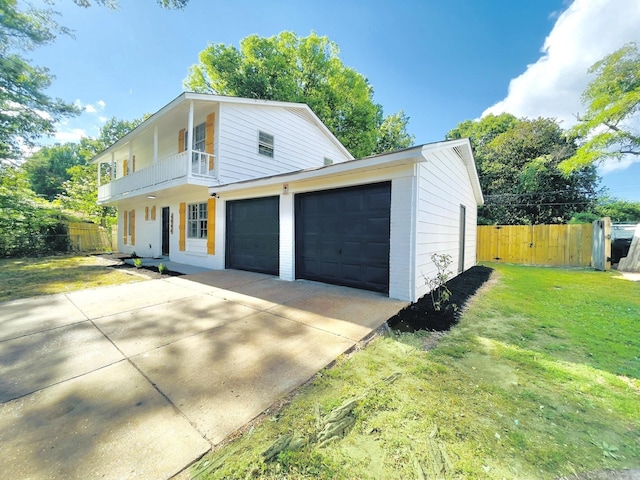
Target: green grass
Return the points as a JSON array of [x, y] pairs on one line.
[[28, 277], [540, 379]]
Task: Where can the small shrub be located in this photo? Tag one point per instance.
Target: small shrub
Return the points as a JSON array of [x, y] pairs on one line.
[[162, 268], [137, 262], [439, 292], [134, 254]]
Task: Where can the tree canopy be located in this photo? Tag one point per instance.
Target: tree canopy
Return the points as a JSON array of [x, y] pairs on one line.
[[518, 165], [26, 111], [46, 169], [609, 126], [308, 70]]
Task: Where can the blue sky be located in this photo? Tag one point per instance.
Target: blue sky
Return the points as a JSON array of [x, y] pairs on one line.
[[441, 62]]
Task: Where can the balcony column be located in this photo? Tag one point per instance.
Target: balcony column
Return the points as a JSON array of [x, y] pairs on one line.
[[100, 174], [130, 162], [113, 166], [155, 144], [190, 138]]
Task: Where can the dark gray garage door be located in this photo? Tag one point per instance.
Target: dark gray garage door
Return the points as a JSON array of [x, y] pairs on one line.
[[253, 235], [342, 236]]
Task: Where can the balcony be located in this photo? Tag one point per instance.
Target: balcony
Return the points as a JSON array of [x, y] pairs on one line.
[[178, 169]]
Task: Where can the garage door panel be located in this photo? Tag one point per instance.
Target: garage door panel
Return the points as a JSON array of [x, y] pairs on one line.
[[378, 274], [253, 235], [378, 226], [347, 232]]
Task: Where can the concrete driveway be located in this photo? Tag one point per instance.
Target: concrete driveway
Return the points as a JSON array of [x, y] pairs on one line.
[[140, 380]]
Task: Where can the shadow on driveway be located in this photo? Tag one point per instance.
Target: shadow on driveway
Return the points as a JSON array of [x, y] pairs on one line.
[[140, 380]]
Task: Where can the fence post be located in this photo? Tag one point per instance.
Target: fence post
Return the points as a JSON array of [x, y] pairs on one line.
[[601, 246]]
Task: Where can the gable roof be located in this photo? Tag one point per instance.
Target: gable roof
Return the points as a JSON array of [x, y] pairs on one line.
[[300, 109]]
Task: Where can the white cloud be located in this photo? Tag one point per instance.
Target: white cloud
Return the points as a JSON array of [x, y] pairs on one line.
[[71, 135], [102, 119], [583, 34], [89, 108], [612, 165]]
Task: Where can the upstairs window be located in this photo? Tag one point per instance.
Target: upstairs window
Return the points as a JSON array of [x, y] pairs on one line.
[[198, 138], [265, 144], [197, 220]]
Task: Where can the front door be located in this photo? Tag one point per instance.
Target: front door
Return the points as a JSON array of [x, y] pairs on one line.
[[165, 230]]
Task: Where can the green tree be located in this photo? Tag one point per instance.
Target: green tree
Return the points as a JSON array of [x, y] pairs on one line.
[[609, 126], [289, 68], [26, 112], [28, 224], [392, 134], [618, 210], [80, 195], [47, 168], [518, 165]]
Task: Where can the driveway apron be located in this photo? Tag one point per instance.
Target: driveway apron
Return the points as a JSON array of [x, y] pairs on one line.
[[139, 380]]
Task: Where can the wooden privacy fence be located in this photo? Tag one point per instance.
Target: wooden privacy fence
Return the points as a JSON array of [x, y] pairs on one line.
[[89, 237], [561, 245]]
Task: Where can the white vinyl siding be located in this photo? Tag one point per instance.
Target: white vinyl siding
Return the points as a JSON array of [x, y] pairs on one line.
[[300, 143], [442, 187]]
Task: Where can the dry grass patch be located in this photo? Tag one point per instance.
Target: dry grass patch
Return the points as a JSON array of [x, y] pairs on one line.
[[28, 277]]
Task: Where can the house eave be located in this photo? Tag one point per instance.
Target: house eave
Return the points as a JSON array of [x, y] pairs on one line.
[[407, 156]]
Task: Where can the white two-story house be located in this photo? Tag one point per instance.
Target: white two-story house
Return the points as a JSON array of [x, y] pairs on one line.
[[224, 182]]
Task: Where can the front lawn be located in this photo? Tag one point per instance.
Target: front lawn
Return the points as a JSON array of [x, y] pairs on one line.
[[540, 379], [28, 277]]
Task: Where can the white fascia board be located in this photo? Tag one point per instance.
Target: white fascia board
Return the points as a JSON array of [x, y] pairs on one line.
[[403, 157]]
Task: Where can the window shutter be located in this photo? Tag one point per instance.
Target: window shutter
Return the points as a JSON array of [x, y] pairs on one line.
[[181, 140], [183, 214], [146, 214], [153, 212], [125, 222], [133, 164], [211, 226], [209, 134], [125, 163], [132, 217]]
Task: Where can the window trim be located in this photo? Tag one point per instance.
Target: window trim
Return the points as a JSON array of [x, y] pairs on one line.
[[203, 127], [266, 144], [197, 227]]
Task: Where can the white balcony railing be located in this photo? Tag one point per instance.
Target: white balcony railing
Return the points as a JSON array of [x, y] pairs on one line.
[[166, 170]]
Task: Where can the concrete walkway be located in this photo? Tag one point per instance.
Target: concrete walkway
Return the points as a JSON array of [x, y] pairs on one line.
[[140, 380]]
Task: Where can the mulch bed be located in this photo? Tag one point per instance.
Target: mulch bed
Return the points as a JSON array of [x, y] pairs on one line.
[[422, 315], [119, 263]]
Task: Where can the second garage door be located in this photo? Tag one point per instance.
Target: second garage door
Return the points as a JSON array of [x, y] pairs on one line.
[[342, 236], [253, 235]]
